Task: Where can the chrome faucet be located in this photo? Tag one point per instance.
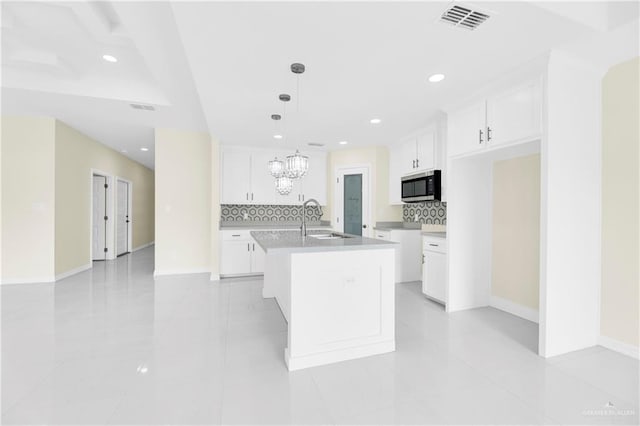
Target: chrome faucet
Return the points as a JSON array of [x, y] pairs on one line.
[[303, 227]]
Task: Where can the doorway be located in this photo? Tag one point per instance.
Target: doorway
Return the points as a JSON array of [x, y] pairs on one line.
[[99, 216], [123, 217], [352, 201]]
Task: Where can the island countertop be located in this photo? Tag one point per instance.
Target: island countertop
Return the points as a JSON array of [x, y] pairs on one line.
[[293, 242]]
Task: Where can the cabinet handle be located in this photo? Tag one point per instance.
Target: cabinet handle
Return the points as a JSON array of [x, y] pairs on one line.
[[414, 164], [480, 136], [254, 246], [235, 235], [433, 245], [417, 163], [302, 197], [247, 196], [248, 245], [488, 133], [423, 259], [252, 196]]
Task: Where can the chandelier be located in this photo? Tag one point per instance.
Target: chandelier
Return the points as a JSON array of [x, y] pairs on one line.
[[294, 166]]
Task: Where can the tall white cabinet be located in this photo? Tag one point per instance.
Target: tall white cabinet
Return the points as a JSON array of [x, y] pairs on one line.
[[245, 179]]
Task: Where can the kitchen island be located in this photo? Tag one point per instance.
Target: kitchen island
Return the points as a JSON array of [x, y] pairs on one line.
[[335, 291]]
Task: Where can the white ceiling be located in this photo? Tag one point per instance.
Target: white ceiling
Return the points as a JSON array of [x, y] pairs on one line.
[[219, 66]]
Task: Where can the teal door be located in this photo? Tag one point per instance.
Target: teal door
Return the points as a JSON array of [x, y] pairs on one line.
[[353, 204]]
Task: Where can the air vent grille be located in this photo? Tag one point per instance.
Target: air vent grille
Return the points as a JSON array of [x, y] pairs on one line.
[[463, 17], [143, 107], [315, 144]]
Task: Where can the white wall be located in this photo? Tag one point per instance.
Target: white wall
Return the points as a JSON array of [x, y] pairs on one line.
[[28, 199], [183, 202], [570, 208]]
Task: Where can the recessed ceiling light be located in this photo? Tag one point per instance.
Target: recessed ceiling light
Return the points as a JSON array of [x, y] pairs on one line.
[[343, 142], [277, 136], [109, 58], [144, 149], [436, 78], [375, 121], [123, 150]]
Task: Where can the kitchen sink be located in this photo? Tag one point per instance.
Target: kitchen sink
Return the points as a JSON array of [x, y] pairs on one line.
[[331, 236]]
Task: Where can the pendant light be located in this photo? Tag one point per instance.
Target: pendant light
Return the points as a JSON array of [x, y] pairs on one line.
[[284, 185], [276, 167], [296, 165]]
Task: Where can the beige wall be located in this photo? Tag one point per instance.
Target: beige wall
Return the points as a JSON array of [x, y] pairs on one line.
[[75, 155], [27, 229], [377, 157], [183, 202], [620, 295], [516, 230]]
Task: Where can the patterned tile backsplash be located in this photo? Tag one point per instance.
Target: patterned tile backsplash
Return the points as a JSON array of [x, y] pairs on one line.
[[266, 213], [431, 212]]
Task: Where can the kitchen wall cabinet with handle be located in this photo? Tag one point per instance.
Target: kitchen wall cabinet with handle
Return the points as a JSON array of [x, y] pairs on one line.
[[245, 179], [510, 116], [421, 151]]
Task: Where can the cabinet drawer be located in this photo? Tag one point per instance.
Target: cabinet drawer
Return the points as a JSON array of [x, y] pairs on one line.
[[235, 235], [434, 244]]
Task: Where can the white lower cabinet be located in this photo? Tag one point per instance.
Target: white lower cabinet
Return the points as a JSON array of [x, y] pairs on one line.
[[240, 254], [407, 252], [434, 268]]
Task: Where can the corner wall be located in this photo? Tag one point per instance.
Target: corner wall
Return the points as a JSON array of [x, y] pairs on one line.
[[28, 228], [183, 203], [620, 294], [75, 155]]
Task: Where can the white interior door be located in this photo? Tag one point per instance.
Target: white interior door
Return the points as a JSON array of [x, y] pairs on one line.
[[99, 213], [353, 201], [122, 218]]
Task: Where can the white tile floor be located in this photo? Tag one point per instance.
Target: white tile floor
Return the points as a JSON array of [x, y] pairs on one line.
[[113, 345]]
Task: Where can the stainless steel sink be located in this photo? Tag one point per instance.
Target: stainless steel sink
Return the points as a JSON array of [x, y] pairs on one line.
[[331, 236]]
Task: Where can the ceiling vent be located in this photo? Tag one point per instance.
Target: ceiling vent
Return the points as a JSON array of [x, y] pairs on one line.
[[143, 107], [315, 144], [463, 17]]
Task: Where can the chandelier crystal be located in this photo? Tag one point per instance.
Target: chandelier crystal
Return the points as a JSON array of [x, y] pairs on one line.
[[276, 167], [296, 165], [284, 185]]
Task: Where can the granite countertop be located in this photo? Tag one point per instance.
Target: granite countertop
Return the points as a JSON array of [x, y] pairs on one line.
[[435, 234], [292, 241], [234, 226], [398, 226]]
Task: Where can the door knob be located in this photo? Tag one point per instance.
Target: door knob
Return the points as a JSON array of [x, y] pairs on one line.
[[364, 226]]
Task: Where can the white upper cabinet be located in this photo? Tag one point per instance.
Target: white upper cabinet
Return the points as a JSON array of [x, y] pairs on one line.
[[235, 177], [263, 190], [426, 151], [466, 129], [514, 115], [245, 178], [508, 117]]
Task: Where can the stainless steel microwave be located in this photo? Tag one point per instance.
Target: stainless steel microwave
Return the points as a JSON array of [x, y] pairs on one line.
[[425, 186]]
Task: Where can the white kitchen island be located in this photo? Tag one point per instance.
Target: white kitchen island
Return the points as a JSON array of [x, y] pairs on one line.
[[337, 295]]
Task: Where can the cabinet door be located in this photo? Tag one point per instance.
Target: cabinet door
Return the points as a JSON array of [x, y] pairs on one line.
[[235, 257], [466, 130], [434, 281], [515, 115], [408, 156], [314, 184], [425, 147], [262, 183], [257, 258], [235, 177], [293, 198]]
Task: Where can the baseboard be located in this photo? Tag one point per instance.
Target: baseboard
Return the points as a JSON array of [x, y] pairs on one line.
[[143, 246], [618, 346], [73, 271], [514, 309], [162, 272], [30, 280]]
